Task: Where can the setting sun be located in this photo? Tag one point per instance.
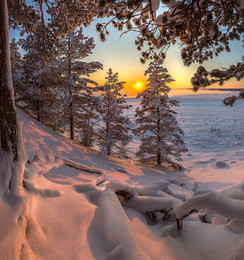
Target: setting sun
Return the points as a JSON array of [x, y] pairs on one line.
[[138, 85]]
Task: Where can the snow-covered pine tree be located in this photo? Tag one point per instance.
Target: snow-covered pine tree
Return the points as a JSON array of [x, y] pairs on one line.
[[40, 75], [16, 65], [75, 47], [161, 136], [113, 136], [63, 17], [66, 15], [86, 115]]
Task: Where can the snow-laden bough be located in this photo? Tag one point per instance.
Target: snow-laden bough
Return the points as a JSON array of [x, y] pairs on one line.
[[212, 201]]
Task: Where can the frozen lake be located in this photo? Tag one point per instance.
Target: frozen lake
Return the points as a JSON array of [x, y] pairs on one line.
[[208, 124], [213, 132]]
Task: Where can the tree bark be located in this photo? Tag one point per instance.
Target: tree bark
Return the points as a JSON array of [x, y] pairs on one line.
[[107, 129], [8, 119], [108, 145], [38, 109], [159, 161], [71, 117]]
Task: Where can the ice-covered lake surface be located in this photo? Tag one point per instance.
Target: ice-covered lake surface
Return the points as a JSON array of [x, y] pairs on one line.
[[208, 124], [214, 133]]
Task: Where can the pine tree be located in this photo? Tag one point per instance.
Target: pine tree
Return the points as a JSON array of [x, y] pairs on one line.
[[86, 107], [73, 48], [41, 75], [161, 136], [16, 65], [113, 136], [63, 17]]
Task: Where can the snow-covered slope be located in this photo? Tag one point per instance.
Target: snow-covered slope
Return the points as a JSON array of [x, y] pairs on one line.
[[76, 214]]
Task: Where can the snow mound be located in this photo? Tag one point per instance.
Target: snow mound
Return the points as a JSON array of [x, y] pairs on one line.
[[221, 164]]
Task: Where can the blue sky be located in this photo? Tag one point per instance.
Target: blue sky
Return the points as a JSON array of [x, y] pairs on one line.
[[120, 54]]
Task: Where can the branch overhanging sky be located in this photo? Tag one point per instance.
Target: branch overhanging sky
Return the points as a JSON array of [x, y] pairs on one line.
[[120, 54]]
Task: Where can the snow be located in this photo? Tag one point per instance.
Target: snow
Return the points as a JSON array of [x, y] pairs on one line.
[[155, 5], [214, 202], [75, 213], [214, 136]]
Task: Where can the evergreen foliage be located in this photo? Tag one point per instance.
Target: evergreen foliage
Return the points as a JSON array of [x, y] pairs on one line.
[[203, 78], [40, 75], [86, 107], [16, 65], [113, 136], [204, 28], [72, 50], [60, 17], [161, 136]]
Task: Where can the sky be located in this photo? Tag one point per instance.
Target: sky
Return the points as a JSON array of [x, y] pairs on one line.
[[120, 54]]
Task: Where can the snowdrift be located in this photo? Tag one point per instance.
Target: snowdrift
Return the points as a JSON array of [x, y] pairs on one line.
[[83, 205]]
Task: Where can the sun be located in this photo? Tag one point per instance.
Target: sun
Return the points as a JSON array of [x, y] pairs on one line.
[[138, 85]]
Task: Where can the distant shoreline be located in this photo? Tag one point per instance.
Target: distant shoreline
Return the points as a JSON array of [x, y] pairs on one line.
[[201, 92], [212, 89]]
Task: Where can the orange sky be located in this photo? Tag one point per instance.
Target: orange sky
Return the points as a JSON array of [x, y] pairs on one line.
[[121, 56]]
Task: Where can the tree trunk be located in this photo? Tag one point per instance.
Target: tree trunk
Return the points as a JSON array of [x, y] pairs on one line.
[[159, 158], [38, 109], [158, 154], [159, 161], [107, 128], [8, 119], [71, 118], [108, 145]]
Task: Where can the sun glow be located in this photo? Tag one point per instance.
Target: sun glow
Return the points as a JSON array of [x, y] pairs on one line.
[[138, 85]]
